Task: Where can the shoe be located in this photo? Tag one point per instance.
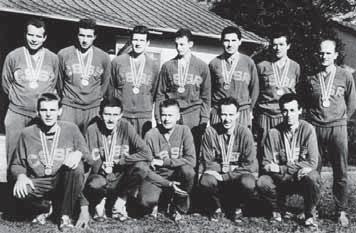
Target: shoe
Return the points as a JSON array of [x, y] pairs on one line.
[[65, 222], [176, 216], [310, 222], [343, 220], [41, 218], [215, 216], [119, 210], [100, 215], [154, 211], [236, 218], [276, 216], [288, 215]]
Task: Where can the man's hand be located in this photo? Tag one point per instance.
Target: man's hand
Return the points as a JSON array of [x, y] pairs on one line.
[[83, 220], [156, 162], [20, 188], [272, 167], [303, 172], [73, 159], [177, 190], [215, 174]]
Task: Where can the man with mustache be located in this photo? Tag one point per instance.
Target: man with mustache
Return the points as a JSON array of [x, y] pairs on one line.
[[173, 163], [28, 71], [233, 74], [330, 100], [134, 80], [278, 76], [47, 168], [289, 163], [84, 75], [229, 163], [120, 163]]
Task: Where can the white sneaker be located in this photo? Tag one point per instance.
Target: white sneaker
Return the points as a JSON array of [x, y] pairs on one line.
[[65, 222], [343, 220], [311, 222], [41, 218], [119, 210], [100, 215], [276, 216], [154, 211]]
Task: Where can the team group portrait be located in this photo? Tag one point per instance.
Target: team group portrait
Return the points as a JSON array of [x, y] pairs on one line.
[[178, 116]]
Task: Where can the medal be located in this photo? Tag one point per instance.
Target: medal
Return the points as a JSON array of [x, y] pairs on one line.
[[49, 155], [181, 89], [225, 168], [108, 170], [226, 153], [227, 75], [48, 171], [280, 91], [137, 75], [280, 78], [35, 71], [135, 90], [326, 103], [226, 86], [108, 164], [85, 82], [33, 84]]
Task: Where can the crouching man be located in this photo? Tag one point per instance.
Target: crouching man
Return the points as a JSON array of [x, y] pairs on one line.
[[172, 146], [121, 160], [229, 163], [47, 167], [289, 162]]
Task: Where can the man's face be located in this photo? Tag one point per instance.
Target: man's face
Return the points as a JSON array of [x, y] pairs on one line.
[[110, 116], [139, 43], [291, 112], [280, 47], [86, 38], [169, 116], [327, 53], [183, 46], [231, 43], [49, 112], [229, 115], [35, 37]]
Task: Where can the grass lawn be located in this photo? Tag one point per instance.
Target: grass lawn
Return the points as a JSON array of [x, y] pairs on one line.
[[197, 223]]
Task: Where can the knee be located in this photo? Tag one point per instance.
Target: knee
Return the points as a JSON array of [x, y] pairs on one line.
[[140, 169], [208, 181], [187, 171], [148, 200], [248, 182], [96, 182], [312, 178], [265, 183]]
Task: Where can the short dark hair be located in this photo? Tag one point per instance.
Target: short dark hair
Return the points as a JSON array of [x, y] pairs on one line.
[[140, 29], [278, 32], [38, 23], [229, 30], [287, 98], [228, 101], [110, 102], [167, 103], [87, 24], [184, 32], [48, 96]]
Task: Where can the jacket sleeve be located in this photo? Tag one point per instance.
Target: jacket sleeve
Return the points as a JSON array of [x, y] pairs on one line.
[[140, 151], [161, 90], [350, 95], [254, 87], [208, 152], [61, 74], [106, 75], [269, 153], [80, 145], [205, 95], [247, 161], [188, 157], [7, 75], [19, 164]]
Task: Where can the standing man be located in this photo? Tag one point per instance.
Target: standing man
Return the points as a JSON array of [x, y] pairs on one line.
[[290, 160], [47, 164], [84, 75], [28, 71], [134, 79], [229, 162], [186, 78], [121, 161], [330, 101], [233, 75], [278, 76], [173, 162]]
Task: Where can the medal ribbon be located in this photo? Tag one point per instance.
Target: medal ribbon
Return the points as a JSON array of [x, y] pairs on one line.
[[183, 72], [109, 154], [290, 146], [280, 78], [326, 90], [226, 155], [49, 157], [227, 75], [137, 76], [85, 67], [35, 72]]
